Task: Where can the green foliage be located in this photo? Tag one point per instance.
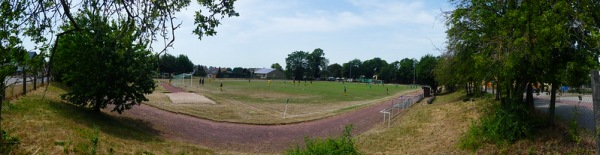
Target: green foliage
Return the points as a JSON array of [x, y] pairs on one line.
[[175, 65], [316, 63], [90, 147], [200, 71], [501, 124], [406, 73], [335, 70], [302, 65], [112, 69], [296, 65], [425, 69], [331, 146], [351, 69], [9, 143], [277, 66]]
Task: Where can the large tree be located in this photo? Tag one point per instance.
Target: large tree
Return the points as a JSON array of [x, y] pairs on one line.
[[425, 69], [297, 65], [167, 63], [184, 65], [516, 44], [373, 67], [316, 62], [335, 70], [351, 69], [113, 68], [406, 72], [175, 65]]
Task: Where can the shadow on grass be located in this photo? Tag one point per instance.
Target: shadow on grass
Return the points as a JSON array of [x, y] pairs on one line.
[[121, 127]]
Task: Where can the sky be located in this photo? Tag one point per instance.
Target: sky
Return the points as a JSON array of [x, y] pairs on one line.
[[268, 30]]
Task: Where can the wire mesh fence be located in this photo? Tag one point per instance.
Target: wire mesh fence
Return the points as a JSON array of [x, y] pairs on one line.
[[397, 105]]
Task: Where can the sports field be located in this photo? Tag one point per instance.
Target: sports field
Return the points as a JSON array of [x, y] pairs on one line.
[[258, 102]]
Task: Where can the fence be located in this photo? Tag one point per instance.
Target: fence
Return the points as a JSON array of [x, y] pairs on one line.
[[399, 104], [14, 87]]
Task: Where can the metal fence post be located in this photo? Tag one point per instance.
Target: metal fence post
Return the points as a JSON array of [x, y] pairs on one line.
[[596, 104]]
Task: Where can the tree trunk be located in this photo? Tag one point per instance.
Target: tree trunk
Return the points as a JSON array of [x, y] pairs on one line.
[[2, 97], [24, 83], [97, 108], [552, 102], [529, 97], [497, 91], [35, 82], [485, 87], [467, 88]]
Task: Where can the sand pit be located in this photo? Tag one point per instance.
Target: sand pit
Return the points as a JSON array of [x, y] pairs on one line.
[[189, 98]]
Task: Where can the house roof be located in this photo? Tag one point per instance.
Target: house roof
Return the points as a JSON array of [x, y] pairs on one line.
[[264, 71]]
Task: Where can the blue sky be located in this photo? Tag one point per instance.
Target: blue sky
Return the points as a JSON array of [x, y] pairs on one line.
[[268, 30]]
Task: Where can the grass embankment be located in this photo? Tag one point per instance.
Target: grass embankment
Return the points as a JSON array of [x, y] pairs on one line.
[[257, 102], [439, 127], [50, 126]]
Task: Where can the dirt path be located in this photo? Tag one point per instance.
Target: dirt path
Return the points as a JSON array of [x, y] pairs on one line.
[[253, 138]]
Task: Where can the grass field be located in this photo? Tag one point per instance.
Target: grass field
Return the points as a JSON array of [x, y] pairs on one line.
[[50, 126], [257, 102]]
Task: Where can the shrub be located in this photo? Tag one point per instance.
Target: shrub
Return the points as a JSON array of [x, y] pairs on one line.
[[501, 124], [10, 143], [341, 145]]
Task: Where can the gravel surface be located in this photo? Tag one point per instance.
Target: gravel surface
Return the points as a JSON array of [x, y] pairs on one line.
[[253, 138], [189, 98]]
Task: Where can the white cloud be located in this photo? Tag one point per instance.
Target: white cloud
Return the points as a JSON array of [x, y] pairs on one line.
[[267, 31]]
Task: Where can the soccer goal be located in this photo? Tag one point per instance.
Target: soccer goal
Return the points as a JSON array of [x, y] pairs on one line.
[[182, 80]]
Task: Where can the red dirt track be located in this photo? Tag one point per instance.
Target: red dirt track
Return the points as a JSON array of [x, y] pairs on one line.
[[253, 138]]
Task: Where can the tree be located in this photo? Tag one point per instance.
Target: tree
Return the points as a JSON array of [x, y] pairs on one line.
[[373, 67], [200, 71], [406, 73], [516, 44], [36, 67], [113, 68], [277, 66], [37, 19], [175, 65], [351, 69], [316, 62], [297, 64], [425, 69], [335, 70], [184, 64], [390, 72], [168, 64]]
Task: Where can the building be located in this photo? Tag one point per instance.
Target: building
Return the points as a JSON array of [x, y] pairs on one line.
[[269, 73]]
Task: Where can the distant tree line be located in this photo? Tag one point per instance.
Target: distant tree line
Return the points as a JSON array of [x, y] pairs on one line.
[[302, 65], [175, 65]]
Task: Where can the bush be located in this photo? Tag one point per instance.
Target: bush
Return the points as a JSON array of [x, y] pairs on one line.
[[341, 145], [502, 124], [10, 143]]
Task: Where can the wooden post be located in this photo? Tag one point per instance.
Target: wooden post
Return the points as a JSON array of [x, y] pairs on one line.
[[596, 104]]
